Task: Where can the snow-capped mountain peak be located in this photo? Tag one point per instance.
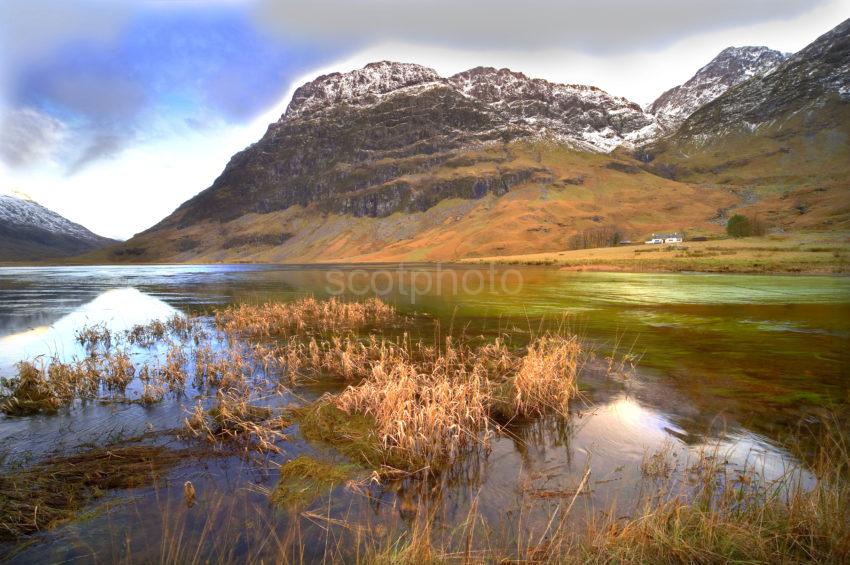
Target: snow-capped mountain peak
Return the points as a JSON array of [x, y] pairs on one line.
[[584, 116], [730, 67], [369, 83]]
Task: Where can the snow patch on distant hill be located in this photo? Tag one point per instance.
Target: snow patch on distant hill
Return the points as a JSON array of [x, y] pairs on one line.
[[18, 209]]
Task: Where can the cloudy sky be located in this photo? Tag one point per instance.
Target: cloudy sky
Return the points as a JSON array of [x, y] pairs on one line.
[[113, 112]]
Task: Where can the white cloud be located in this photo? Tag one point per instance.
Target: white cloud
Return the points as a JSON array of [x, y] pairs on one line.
[[128, 193], [29, 137]]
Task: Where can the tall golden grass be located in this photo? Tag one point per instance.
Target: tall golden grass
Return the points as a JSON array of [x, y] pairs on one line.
[[546, 379]]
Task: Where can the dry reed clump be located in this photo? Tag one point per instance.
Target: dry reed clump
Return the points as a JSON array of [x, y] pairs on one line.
[[345, 357], [546, 378], [46, 386], [429, 419], [306, 314], [235, 421], [227, 372], [430, 406], [94, 335], [179, 326], [30, 392], [173, 373], [55, 490], [119, 371], [49, 385], [145, 335]]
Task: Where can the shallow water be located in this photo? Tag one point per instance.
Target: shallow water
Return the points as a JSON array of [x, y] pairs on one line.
[[725, 362]]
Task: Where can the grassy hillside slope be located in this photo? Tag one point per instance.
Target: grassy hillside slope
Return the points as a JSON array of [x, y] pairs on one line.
[[565, 192]]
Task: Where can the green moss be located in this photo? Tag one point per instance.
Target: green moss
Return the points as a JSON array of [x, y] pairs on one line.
[[304, 478], [352, 435]]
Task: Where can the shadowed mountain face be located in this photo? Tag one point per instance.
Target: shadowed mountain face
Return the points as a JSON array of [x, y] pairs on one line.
[[31, 232], [816, 77], [386, 161]]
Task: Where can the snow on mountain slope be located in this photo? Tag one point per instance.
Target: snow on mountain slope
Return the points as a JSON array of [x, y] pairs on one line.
[[20, 209], [584, 116], [732, 66], [362, 85], [806, 85], [568, 112]]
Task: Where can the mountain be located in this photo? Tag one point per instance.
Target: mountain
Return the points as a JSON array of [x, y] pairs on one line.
[[29, 232], [360, 142], [732, 66], [394, 162], [781, 139]]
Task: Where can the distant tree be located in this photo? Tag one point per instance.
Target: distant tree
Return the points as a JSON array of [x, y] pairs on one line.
[[739, 226], [603, 236], [757, 225]]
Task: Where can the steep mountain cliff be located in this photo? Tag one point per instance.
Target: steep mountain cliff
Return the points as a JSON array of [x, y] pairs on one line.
[[29, 232], [810, 81], [362, 142], [732, 66]]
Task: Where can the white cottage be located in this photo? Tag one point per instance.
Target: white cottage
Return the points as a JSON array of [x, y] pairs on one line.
[[666, 238]]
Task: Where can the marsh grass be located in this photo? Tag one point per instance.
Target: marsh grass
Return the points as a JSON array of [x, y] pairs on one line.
[[546, 379], [410, 410], [428, 407], [303, 315], [706, 511], [235, 422], [48, 384]]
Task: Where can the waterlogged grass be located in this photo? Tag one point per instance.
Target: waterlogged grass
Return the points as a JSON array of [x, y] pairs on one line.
[[235, 421], [695, 510], [424, 407], [309, 314], [56, 490]]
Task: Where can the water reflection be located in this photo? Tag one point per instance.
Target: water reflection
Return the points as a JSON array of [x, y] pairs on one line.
[[119, 309]]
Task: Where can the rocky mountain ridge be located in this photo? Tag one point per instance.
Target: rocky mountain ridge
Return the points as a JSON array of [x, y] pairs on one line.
[[362, 142], [586, 116]]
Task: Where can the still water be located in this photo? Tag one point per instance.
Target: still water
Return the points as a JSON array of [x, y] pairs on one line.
[[727, 362]]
